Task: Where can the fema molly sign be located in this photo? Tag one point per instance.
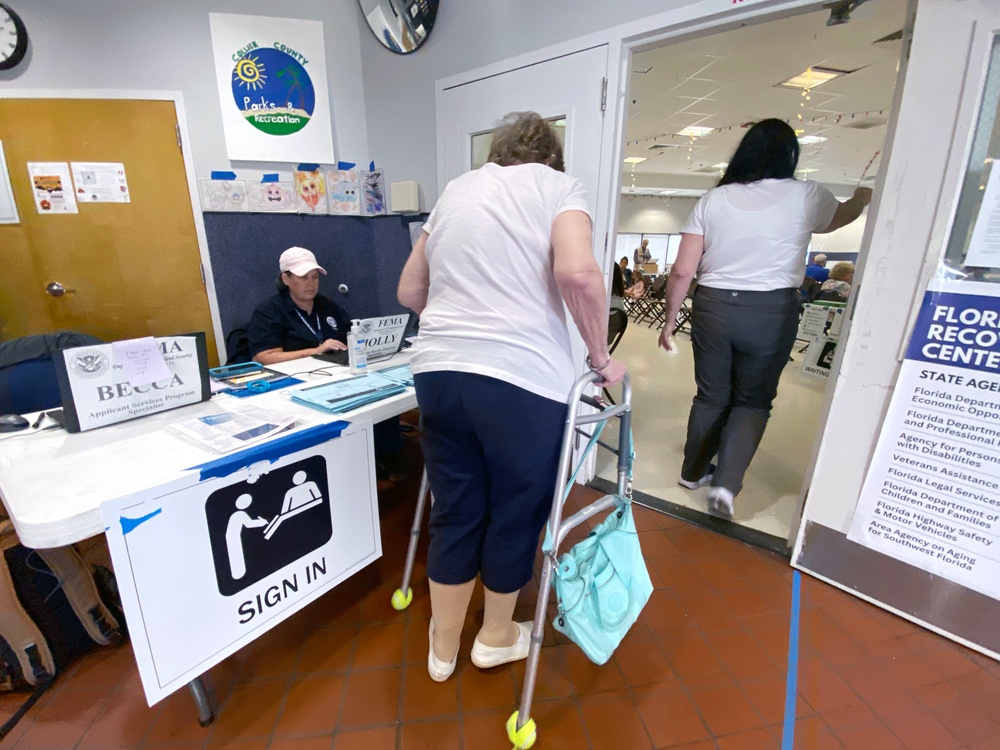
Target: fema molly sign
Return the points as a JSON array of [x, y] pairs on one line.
[[207, 564]]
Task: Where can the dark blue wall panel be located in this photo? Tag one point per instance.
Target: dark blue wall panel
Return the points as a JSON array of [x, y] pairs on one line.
[[367, 254]]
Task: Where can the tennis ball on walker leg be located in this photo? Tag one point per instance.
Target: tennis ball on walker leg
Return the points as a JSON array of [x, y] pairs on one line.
[[401, 601], [522, 738]]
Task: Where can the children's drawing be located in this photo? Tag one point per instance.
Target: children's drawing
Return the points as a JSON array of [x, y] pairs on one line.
[[344, 189], [275, 197], [310, 192], [372, 192], [223, 195]]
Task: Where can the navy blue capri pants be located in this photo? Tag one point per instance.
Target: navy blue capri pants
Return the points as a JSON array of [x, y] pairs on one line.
[[492, 451]]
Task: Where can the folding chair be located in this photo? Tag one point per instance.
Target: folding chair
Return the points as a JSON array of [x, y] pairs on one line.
[[653, 301], [683, 321], [617, 323]]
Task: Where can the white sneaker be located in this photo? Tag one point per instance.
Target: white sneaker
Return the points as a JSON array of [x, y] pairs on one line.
[[437, 669], [697, 482], [485, 657], [720, 503]]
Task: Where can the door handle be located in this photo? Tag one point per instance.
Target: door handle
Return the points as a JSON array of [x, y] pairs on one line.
[[55, 289]]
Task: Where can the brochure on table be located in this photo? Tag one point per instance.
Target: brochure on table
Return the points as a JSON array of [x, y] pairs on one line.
[[210, 562], [108, 383], [932, 493]]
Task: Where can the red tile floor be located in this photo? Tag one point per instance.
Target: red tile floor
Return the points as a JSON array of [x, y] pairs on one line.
[[704, 668]]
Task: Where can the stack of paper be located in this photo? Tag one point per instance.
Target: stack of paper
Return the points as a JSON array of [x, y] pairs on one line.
[[232, 430], [346, 395], [400, 374]]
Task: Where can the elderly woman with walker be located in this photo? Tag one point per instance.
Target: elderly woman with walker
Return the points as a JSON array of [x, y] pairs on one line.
[[506, 250]]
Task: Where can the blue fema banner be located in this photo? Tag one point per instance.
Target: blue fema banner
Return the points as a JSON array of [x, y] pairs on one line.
[[961, 330]]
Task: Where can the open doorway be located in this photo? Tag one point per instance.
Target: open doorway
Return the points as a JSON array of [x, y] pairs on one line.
[[689, 105]]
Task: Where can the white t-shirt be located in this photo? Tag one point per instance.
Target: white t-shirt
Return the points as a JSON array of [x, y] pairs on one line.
[[493, 307], [756, 235]]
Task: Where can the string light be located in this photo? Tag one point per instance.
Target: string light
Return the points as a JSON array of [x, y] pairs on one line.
[[833, 118]]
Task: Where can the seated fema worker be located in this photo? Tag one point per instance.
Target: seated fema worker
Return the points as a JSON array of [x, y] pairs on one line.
[[299, 322]]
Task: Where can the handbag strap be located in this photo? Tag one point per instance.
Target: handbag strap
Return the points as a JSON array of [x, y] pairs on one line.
[[547, 545]]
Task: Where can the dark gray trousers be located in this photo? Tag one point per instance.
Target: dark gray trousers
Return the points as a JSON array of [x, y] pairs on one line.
[[742, 341]]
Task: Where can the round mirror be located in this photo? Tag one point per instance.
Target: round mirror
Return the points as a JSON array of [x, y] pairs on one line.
[[401, 25]]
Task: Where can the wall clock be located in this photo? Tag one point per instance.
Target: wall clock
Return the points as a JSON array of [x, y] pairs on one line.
[[13, 38]]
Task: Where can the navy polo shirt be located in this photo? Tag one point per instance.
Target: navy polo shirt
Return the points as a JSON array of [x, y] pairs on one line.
[[278, 323]]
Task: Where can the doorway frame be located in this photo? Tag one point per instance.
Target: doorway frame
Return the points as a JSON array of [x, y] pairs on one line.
[[698, 19], [186, 153]]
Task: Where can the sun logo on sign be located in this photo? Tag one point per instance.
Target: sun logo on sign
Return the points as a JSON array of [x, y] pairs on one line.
[[250, 73]]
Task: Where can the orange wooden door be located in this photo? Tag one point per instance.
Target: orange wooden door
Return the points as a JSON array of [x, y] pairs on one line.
[[134, 269]]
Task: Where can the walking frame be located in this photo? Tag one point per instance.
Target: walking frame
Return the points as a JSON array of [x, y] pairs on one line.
[[522, 732]]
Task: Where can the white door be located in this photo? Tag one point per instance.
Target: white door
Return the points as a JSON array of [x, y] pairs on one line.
[[569, 88], [569, 91], [943, 152]]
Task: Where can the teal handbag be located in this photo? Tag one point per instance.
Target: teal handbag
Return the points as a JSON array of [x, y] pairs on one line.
[[601, 585]]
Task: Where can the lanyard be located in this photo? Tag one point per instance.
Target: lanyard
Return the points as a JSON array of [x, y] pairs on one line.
[[317, 331]]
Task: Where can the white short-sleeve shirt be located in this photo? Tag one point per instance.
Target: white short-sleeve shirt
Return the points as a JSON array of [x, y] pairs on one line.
[[756, 235], [493, 307]]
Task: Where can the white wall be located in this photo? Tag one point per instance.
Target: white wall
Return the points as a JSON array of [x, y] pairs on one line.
[[652, 215], [399, 89], [845, 240], [645, 214], [151, 44]]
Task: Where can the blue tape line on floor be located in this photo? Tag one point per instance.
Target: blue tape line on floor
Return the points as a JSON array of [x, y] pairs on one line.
[[129, 524], [791, 690], [271, 450]]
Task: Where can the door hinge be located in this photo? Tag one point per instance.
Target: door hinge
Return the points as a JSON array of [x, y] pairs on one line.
[[177, 132], [604, 93], [201, 267]]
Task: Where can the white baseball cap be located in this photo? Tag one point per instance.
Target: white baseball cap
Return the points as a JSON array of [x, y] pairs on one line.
[[299, 261]]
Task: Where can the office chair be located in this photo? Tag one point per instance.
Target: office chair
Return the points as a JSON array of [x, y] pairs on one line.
[[28, 374], [238, 346]]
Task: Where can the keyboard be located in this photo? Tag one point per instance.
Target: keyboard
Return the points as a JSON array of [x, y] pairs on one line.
[[336, 357]]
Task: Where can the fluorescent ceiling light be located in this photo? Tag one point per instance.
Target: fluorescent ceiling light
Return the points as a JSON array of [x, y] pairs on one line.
[[806, 171], [809, 140], [666, 192], [694, 131], [635, 159], [812, 77], [720, 165]]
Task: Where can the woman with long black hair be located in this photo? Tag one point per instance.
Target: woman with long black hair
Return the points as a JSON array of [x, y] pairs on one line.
[[746, 240]]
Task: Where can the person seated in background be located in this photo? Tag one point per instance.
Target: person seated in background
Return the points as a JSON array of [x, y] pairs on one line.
[[817, 269], [638, 287], [617, 288], [838, 286], [299, 322], [623, 266]]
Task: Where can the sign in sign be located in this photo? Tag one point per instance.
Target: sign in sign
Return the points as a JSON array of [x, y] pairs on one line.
[[109, 383], [206, 566], [932, 493], [271, 74]]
